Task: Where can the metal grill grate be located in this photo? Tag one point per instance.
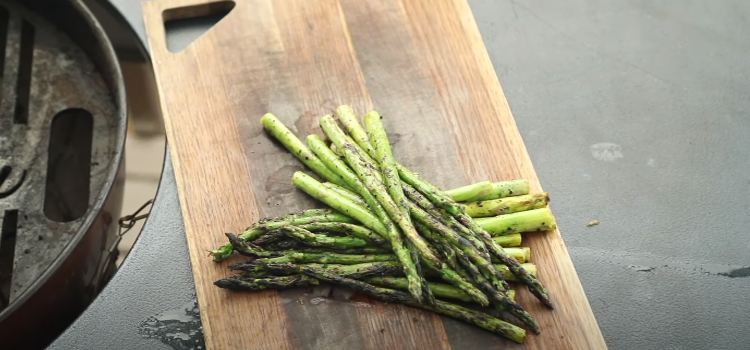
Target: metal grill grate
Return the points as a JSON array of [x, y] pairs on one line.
[[57, 136]]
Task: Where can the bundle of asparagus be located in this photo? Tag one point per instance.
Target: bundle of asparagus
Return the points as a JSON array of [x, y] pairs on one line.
[[392, 235]]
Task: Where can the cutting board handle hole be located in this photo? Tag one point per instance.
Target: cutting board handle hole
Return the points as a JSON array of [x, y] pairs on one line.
[[184, 25]]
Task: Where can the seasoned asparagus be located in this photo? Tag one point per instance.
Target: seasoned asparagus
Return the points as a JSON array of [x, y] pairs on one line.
[[321, 240], [277, 128], [366, 199], [524, 221], [506, 205], [477, 318], [499, 190], [264, 227]]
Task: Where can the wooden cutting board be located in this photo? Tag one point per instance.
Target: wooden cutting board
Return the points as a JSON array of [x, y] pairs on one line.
[[423, 65]]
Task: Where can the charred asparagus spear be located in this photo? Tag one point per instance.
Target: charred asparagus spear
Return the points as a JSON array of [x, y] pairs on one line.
[[352, 230], [275, 282], [321, 240], [367, 200], [439, 198], [253, 284], [268, 225], [477, 318], [338, 202], [373, 181]]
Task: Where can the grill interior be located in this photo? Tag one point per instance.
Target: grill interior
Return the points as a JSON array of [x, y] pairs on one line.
[[58, 125]]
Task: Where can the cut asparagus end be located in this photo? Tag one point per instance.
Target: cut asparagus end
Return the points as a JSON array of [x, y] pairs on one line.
[[511, 240], [506, 205], [526, 221], [521, 254]]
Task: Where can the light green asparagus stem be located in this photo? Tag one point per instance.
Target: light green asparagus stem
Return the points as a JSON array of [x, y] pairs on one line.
[[521, 254], [297, 148], [526, 221], [320, 240], [374, 183], [358, 231], [439, 289], [471, 192], [346, 193], [316, 190], [366, 199], [511, 240], [379, 139], [268, 225], [351, 123], [496, 190], [507, 205]]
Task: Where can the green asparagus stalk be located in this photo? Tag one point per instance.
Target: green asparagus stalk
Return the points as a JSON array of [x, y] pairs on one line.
[[526, 221], [377, 134], [352, 230], [509, 276], [355, 251], [439, 198], [477, 318], [511, 240], [498, 190], [258, 284], [316, 190], [507, 205], [454, 239], [535, 287], [350, 121], [440, 290], [321, 240], [297, 215], [445, 218], [451, 276], [261, 228], [373, 182], [277, 128], [433, 193], [502, 302], [243, 283], [247, 249], [356, 271], [338, 202], [367, 199]]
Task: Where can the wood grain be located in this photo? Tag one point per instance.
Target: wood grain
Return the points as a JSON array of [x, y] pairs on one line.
[[423, 65]]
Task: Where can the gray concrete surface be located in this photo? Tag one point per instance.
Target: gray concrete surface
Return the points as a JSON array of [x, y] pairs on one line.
[[635, 113]]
